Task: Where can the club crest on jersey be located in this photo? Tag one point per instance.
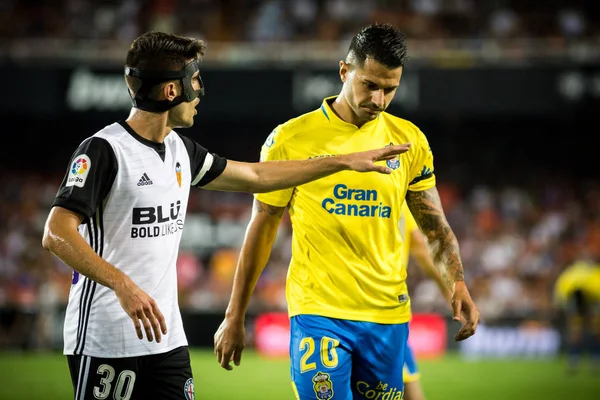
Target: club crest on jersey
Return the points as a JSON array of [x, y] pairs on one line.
[[79, 171], [178, 173], [188, 389], [270, 139], [394, 163], [323, 386]]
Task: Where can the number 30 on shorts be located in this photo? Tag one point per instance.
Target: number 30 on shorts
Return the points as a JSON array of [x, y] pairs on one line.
[[123, 386], [327, 352]]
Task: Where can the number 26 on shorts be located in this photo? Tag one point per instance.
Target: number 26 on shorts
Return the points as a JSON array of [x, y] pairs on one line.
[[327, 352]]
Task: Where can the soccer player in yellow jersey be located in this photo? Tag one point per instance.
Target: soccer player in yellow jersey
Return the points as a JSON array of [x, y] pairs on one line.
[[577, 294], [346, 291], [414, 244]]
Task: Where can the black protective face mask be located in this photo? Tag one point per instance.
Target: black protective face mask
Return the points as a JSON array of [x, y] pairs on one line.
[[145, 80]]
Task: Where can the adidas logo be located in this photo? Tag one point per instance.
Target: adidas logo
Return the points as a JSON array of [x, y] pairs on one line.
[[144, 180]]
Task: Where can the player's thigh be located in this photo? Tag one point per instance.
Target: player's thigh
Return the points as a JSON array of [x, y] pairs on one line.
[[321, 358], [169, 375], [378, 362], [105, 378]]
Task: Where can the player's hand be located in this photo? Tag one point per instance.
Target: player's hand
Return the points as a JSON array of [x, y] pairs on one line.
[[143, 310], [364, 161], [464, 310], [230, 340]]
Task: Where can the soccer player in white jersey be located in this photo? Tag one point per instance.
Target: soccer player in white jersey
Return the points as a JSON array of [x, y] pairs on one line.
[[117, 221]]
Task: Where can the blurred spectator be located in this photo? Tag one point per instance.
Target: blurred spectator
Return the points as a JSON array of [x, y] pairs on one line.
[[514, 239], [514, 243], [571, 23], [269, 20]]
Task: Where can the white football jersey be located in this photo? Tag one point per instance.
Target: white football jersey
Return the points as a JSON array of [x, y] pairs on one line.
[[133, 194]]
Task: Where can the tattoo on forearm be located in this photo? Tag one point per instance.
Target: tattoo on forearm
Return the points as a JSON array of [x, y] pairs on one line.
[[426, 208], [266, 208]]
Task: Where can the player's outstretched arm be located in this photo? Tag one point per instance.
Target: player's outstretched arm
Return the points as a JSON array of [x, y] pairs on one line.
[[229, 340], [62, 238], [420, 252], [426, 208], [275, 175]]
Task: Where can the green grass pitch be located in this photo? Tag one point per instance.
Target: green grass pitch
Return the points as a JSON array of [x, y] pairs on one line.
[[30, 376]]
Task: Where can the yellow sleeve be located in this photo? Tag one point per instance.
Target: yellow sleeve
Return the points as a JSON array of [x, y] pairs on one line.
[[421, 172], [592, 284], [407, 225], [411, 224], [558, 297], [273, 150], [565, 284]]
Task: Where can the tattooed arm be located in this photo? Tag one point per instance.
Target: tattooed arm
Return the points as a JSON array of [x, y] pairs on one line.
[[420, 253], [255, 252], [426, 208]]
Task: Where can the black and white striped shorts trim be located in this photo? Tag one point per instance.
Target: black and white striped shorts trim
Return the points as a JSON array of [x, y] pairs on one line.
[[84, 370]]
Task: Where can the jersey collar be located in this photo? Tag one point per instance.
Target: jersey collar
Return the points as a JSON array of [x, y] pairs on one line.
[[333, 117], [160, 148]]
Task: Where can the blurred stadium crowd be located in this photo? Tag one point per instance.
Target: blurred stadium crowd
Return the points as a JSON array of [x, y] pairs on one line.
[[306, 20], [518, 238]]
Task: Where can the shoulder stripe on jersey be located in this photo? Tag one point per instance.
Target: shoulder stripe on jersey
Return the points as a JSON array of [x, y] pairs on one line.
[[208, 161], [421, 178], [96, 234], [84, 369]]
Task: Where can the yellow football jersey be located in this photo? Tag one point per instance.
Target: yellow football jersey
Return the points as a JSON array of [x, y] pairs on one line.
[[407, 225], [581, 275], [347, 257]]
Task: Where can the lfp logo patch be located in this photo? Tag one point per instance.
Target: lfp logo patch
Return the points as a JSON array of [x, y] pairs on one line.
[[188, 389], [79, 171]]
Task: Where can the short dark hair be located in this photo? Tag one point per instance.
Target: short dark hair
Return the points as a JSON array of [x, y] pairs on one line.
[[383, 43], [159, 51]]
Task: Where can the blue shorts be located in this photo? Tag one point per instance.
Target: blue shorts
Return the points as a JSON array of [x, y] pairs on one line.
[[345, 360], [411, 371]]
